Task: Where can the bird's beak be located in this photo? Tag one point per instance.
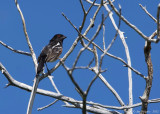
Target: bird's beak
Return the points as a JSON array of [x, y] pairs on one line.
[[64, 37]]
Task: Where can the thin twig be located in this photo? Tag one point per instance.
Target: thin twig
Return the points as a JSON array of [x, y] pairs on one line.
[[72, 79], [104, 45], [70, 22], [84, 67], [84, 20], [120, 59], [85, 14], [91, 83], [55, 87], [153, 35], [117, 29], [91, 6], [39, 109], [110, 87], [16, 51], [84, 11], [144, 8], [96, 56], [93, 19], [109, 46], [53, 84]]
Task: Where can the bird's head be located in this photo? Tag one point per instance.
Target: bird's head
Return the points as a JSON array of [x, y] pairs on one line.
[[58, 38]]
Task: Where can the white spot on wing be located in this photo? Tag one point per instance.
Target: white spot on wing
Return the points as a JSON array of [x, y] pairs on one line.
[[56, 45]]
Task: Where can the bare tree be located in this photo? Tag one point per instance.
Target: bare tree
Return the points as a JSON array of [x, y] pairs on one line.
[[95, 64]]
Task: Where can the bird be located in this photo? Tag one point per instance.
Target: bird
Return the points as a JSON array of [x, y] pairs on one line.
[[50, 52]]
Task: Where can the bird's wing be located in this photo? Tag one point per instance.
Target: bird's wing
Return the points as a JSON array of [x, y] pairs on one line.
[[44, 53], [54, 53]]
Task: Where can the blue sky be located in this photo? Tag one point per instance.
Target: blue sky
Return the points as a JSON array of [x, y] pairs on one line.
[[43, 20]]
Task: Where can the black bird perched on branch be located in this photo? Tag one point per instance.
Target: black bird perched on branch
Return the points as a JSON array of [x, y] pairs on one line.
[[50, 52]]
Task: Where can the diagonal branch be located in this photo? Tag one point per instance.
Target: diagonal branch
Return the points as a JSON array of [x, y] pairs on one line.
[[144, 8], [39, 109], [16, 51]]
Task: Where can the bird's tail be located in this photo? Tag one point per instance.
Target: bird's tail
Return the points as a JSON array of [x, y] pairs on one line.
[[40, 66]]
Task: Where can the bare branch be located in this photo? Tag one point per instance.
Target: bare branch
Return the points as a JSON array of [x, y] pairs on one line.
[[70, 22], [158, 25], [84, 67], [153, 35], [55, 87], [117, 29], [41, 91], [85, 14], [53, 84], [36, 80], [91, 6], [109, 87], [104, 45], [109, 54], [118, 58], [96, 56], [72, 79], [16, 51], [96, 4], [84, 11], [64, 98], [126, 51], [123, 107], [93, 19], [33, 94], [146, 94], [82, 49], [91, 83], [26, 35], [144, 8], [77, 58], [90, 62], [92, 110], [39, 109], [129, 24]]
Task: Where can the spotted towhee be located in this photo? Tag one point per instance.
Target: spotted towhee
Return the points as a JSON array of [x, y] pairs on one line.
[[50, 52]]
